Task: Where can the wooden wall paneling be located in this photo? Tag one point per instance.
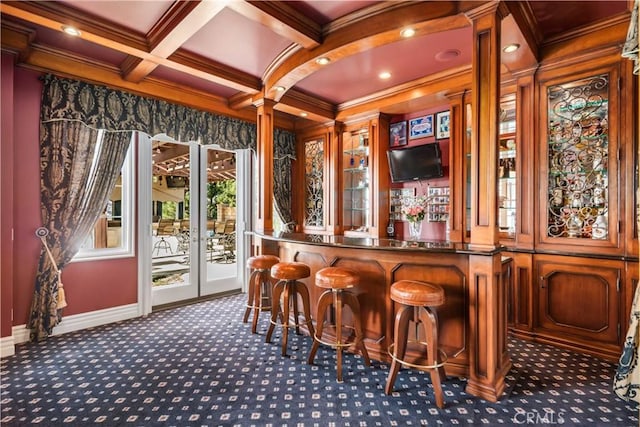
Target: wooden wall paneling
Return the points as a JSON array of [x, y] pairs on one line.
[[521, 296], [525, 161], [457, 160], [579, 303], [629, 122], [380, 178]]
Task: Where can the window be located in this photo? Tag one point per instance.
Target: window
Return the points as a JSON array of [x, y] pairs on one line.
[[112, 235]]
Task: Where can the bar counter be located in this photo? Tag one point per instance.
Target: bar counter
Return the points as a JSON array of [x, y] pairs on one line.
[[472, 322]]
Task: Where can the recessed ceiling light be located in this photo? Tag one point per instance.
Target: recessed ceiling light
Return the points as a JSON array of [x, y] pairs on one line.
[[385, 75], [279, 88], [303, 114], [408, 32], [323, 60], [72, 31], [447, 55], [511, 48]]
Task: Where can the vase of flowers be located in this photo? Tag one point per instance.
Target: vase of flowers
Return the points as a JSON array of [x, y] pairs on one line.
[[414, 209]]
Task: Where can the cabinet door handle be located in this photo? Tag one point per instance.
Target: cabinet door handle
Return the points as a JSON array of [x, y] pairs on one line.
[[542, 281]]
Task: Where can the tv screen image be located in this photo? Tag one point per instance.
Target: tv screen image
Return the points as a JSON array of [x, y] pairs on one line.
[[420, 162]]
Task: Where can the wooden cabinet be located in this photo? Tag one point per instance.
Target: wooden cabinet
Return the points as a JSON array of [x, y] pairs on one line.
[[579, 184], [356, 180], [579, 302]]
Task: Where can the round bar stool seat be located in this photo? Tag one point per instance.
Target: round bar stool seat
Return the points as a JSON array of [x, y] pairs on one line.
[[417, 301], [337, 281], [289, 288], [259, 290]]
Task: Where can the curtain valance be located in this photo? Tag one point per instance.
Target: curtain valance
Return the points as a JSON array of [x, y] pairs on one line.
[[113, 109]]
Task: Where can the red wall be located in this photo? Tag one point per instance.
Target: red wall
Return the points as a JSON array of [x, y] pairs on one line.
[[6, 195], [430, 230], [90, 285]]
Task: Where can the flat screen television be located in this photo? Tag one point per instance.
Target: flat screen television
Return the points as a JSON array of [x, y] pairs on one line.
[[415, 163]]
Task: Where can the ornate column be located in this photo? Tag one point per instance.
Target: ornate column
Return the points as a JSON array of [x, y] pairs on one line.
[[264, 124], [489, 359]]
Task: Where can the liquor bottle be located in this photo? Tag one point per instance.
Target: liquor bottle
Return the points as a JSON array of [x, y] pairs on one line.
[[391, 229]]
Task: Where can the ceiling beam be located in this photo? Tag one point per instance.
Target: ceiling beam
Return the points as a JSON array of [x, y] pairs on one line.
[[178, 25], [282, 19], [54, 15]]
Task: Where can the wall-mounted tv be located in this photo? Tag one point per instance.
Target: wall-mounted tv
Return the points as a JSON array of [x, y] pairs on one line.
[[176, 181], [415, 163]]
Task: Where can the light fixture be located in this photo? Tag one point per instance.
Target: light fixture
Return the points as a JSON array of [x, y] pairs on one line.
[[385, 75], [323, 60], [72, 31], [447, 55], [279, 88], [408, 32], [511, 48], [303, 114]]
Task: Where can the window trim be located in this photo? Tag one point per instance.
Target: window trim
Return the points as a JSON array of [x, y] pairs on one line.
[[126, 249]]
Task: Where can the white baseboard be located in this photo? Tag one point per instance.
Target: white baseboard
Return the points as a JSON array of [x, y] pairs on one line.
[[7, 346], [76, 322]]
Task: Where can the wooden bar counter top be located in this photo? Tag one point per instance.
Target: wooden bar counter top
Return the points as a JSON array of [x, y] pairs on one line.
[[472, 321]]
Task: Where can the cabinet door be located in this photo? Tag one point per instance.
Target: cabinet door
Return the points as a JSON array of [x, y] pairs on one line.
[[579, 173], [578, 298], [355, 181]]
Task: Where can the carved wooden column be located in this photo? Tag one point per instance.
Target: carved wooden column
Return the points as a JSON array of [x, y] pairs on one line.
[[264, 124], [333, 158], [457, 156], [489, 359], [525, 159]]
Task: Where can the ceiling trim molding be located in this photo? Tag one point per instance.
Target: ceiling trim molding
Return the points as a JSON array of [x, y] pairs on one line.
[[374, 31], [528, 24], [281, 19], [433, 89]]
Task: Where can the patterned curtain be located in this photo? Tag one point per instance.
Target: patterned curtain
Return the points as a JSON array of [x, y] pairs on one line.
[[630, 48], [79, 167], [73, 194]]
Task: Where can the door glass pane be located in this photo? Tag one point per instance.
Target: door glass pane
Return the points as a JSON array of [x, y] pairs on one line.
[[170, 210], [220, 211], [507, 169], [578, 145]]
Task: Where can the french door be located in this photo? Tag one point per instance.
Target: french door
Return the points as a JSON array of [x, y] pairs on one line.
[[189, 243]]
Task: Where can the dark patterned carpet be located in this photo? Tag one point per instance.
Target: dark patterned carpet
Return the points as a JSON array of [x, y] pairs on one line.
[[200, 366]]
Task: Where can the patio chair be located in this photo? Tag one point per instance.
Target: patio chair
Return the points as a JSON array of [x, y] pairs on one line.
[[165, 228]]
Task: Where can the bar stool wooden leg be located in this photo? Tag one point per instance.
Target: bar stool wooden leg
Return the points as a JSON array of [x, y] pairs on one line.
[[337, 304], [286, 303], [275, 307], [401, 329], [301, 289], [296, 312], [323, 305], [352, 301], [251, 292], [430, 323]]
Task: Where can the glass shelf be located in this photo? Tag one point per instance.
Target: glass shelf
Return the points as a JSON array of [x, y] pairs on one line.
[[355, 181]]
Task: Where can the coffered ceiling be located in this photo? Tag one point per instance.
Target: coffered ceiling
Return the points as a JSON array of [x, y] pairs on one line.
[[230, 54]]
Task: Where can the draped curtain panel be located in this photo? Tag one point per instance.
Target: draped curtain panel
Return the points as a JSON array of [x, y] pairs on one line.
[[79, 166], [73, 193], [630, 48]]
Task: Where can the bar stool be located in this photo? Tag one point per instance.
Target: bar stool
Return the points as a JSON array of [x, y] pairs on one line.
[[336, 281], [259, 290], [417, 301], [288, 286]]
